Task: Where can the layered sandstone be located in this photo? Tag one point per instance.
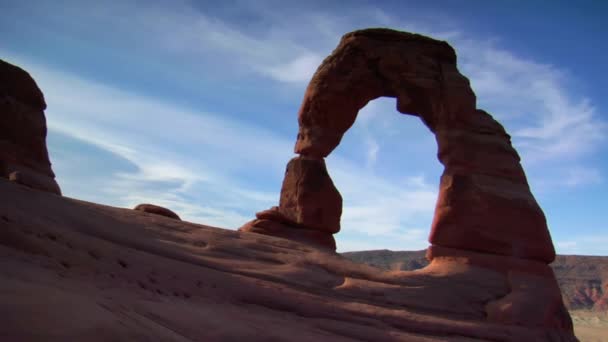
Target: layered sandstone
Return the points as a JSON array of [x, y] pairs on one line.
[[23, 154]]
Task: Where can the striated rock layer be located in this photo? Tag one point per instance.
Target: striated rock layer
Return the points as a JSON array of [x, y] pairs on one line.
[[484, 203], [24, 158]]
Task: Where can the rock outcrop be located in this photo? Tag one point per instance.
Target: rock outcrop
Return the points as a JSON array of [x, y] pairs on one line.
[[485, 216], [23, 154], [484, 203], [132, 277], [309, 208], [35, 180], [309, 197], [156, 210]]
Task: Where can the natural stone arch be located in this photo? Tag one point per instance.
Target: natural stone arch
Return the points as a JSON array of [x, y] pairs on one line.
[[484, 201]]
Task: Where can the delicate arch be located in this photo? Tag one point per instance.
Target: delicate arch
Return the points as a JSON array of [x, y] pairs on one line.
[[484, 201]]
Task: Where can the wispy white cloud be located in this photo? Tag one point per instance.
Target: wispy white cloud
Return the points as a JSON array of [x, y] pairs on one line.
[[532, 99], [181, 156], [372, 151], [170, 170], [568, 177], [297, 70], [190, 151]]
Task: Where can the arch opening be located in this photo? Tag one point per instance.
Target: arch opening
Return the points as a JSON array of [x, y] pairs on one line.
[[386, 170], [484, 202]]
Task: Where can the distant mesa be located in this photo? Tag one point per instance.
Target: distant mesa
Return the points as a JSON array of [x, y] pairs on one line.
[[583, 280], [24, 157], [156, 210]]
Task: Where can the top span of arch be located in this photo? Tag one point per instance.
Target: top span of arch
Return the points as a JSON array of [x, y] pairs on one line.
[[418, 71]]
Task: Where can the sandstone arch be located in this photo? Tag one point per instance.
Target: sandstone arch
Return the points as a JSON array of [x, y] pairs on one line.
[[484, 204]]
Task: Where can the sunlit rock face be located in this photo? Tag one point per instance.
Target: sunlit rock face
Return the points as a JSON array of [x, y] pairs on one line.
[[24, 158], [484, 202]]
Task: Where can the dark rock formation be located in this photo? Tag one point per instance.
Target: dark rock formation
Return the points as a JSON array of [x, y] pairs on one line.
[[35, 181], [156, 210], [23, 131]]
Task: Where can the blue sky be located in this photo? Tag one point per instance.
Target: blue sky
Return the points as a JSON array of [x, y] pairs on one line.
[[193, 105]]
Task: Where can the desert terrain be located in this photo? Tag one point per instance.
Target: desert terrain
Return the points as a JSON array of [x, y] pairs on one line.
[[75, 270], [583, 281]]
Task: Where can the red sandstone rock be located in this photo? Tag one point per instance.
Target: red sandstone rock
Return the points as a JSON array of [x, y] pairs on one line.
[[534, 297], [35, 181], [309, 197], [127, 276], [23, 127], [272, 214], [484, 201], [490, 214], [282, 230], [19, 85], [273, 222], [156, 210]]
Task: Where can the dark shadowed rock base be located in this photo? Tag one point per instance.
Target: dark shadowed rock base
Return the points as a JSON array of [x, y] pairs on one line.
[[23, 151]]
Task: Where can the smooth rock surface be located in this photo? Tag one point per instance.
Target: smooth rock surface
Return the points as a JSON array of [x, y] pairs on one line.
[[156, 210], [274, 227], [78, 271]]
